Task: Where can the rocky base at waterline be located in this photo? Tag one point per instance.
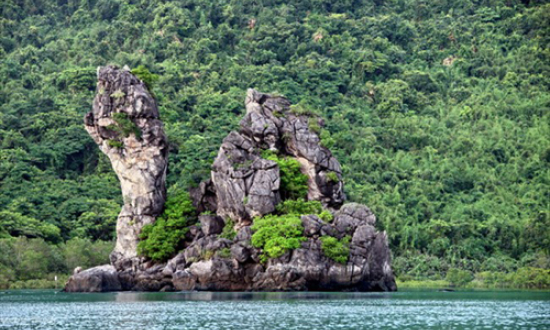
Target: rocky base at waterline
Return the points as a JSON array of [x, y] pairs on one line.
[[306, 268], [247, 183]]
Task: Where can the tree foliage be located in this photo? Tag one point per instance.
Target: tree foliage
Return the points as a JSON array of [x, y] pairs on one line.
[[163, 239], [293, 181], [299, 207], [438, 112], [337, 250], [27, 259], [277, 234]]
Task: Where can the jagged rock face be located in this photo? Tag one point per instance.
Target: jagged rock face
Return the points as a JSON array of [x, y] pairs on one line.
[[202, 266], [246, 185], [270, 123], [243, 185], [124, 122]]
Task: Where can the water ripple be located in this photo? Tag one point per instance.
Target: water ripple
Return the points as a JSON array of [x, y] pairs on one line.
[[289, 311]]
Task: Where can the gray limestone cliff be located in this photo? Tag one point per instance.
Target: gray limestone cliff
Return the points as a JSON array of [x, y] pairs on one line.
[[243, 185], [125, 124]]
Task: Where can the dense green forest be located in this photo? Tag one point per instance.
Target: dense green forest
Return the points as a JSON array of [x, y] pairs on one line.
[[439, 112]]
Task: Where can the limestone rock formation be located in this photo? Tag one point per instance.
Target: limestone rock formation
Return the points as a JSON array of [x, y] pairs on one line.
[[243, 185], [124, 122], [246, 185]]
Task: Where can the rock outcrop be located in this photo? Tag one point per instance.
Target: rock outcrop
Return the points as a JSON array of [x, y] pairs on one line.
[[243, 185], [125, 124], [97, 279], [246, 185]]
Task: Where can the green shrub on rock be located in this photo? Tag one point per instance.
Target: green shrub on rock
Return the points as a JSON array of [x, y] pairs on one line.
[[224, 253], [277, 234], [162, 239], [337, 250], [332, 177], [326, 216], [299, 207], [302, 207], [228, 232], [148, 78], [115, 144], [293, 181], [125, 125]]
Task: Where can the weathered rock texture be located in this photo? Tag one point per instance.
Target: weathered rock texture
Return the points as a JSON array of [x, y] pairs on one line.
[[124, 122], [244, 185]]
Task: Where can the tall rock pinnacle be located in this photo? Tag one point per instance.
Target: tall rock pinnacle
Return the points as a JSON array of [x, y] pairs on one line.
[[125, 124]]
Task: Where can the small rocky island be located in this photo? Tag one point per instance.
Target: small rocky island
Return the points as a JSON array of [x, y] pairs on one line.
[[324, 245]]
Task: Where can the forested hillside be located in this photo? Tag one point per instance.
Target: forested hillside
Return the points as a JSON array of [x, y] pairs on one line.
[[439, 112]]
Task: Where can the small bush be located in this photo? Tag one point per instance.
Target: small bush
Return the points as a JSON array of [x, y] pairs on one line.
[[293, 181], [277, 234], [228, 232], [269, 154], [326, 216], [278, 114], [299, 207], [302, 109], [459, 277], [125, 125], [313, 125], [115, 144], [332, 177], [207, 254], [243, 166], [326, 139], [148, 78], [337, 250], [162, 239], [118, 94], [224, 253]]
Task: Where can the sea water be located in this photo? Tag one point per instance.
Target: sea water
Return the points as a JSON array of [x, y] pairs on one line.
[[33, 309]]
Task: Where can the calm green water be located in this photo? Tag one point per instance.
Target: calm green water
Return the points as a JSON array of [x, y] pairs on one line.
[[307, 310]]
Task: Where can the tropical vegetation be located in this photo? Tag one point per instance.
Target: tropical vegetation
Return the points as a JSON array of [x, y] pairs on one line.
[[438, 112]]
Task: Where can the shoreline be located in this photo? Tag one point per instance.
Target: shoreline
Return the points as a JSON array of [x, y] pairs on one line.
[[402, 286]]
